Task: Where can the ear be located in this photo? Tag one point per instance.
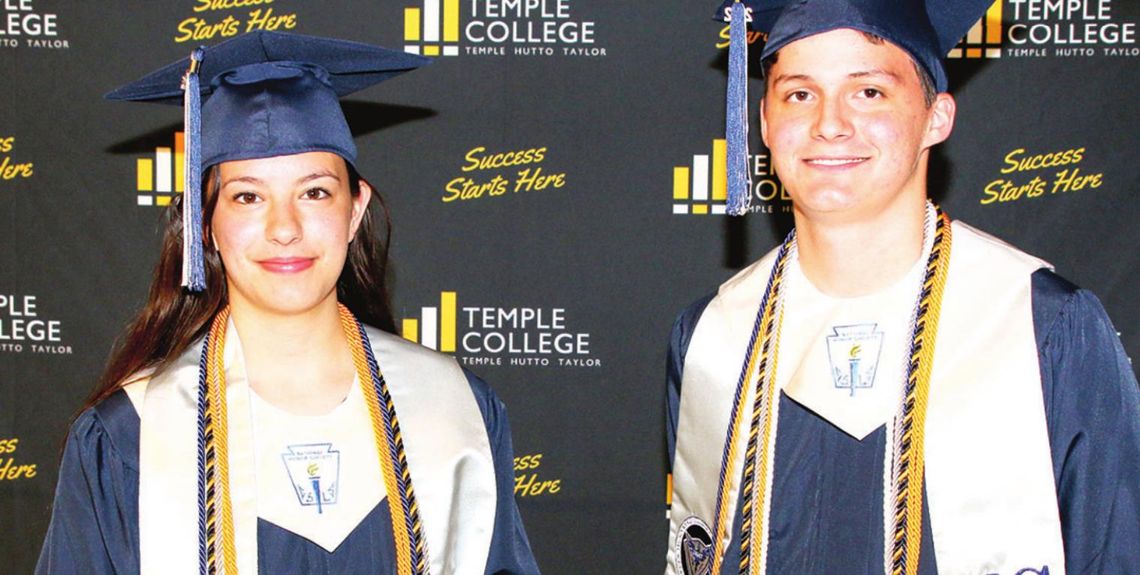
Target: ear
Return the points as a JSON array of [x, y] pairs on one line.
[[359, 208], [941, 122], [763, 124]]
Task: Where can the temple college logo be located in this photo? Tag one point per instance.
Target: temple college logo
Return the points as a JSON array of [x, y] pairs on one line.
[[701, 187], [853, 351], [161, 177], [983, 40], [314, 470]]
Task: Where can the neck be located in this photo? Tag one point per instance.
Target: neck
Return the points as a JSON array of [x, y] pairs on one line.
[[856, 258], [301, 362]]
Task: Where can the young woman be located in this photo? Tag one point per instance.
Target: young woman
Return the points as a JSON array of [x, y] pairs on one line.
[[266, 419]]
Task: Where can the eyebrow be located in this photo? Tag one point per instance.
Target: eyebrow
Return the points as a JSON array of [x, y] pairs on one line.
[[869, 73], [875, 73], [253, 180]]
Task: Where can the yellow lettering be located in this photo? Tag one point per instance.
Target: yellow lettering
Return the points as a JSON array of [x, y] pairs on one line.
[[10, 471], [530, 486], [453, 189], [526, 462], [1070, 182], [528, 181], [473, 158], [10, 171], [6, 144], [185, 29], [268, 21], [1010, 159], [204, 5], [477, 161], [1015, 163]]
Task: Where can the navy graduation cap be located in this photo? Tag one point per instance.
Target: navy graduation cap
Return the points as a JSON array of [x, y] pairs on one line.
[[925, 29], [261, 95]]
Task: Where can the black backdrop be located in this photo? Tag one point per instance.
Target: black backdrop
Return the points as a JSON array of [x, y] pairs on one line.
[[621, 103]]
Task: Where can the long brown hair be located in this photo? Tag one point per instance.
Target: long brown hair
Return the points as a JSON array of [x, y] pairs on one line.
[[173, 318]]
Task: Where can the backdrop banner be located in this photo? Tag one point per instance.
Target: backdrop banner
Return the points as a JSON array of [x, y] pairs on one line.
[[556, 185]]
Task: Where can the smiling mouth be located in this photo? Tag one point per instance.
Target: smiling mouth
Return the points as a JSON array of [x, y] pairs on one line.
[[835, 162], [287, 265]]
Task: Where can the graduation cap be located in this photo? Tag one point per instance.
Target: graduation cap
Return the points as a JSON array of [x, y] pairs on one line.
[[925, 29], [261, 95]]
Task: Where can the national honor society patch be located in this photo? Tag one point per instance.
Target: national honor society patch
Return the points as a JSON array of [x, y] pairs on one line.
[[853, 351], [694, 548], [314, 470]]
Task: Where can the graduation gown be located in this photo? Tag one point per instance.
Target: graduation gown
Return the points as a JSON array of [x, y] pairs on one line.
[[95, 521], [827, 495]]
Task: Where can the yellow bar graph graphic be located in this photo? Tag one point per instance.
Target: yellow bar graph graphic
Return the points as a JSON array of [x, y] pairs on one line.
[[412, 24], [681, 183], [993, 23], [447, 321], [411, 330], [450, 20], [702, 187], [162, 173], [179, 161], [984, 38], [163, 170], [974, 36], [145, 178], [719, 170]]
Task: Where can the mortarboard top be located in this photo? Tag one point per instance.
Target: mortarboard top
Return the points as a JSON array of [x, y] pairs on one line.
[[261, 95], [925, 29]]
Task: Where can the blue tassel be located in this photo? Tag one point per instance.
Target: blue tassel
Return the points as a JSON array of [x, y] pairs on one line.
[[736, 117], [193, 266]]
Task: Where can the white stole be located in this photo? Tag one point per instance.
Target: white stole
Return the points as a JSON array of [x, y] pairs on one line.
[[989, 474], [446, 445]]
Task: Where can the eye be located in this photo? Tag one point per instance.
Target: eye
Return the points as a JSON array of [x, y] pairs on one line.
[[798, 96], [871, 93], [316, 194], [246, 198]]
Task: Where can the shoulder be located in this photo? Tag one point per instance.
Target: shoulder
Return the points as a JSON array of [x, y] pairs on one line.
[[1065, 315], [977, 246], [394, 347], [494, 411], [686, 322], [111, 428]]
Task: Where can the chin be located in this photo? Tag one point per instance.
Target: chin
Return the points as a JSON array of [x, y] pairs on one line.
[[826, 200], [286, 302]]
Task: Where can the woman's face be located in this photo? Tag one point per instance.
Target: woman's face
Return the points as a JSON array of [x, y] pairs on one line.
[[282, 226]]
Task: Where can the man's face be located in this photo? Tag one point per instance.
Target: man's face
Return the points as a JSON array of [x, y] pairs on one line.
[[847, 126]]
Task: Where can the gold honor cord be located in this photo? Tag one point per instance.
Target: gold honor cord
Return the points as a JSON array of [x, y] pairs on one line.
[[218, 444], [760, 433], [386, 445], [411, 552], [907, 463], [908, 449], [761, 335]]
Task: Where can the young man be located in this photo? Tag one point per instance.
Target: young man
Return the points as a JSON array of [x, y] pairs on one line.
[[889, 391]]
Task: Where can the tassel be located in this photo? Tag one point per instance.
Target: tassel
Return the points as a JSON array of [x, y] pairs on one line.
[[736, 117], [193, 266]]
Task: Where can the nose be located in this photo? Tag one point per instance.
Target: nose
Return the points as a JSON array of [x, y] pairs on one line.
[[283, 226], [832, 121]]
